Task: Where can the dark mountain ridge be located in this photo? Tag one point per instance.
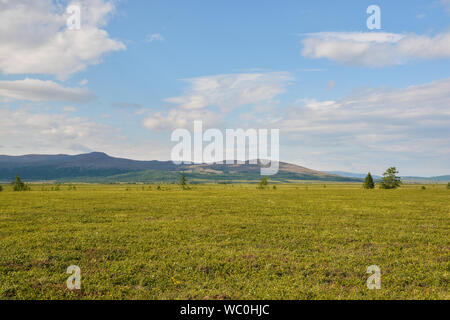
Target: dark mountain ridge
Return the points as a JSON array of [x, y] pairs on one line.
[[98, 166]]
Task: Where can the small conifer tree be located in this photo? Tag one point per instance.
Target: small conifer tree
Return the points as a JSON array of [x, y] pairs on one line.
[[368, 182], [18, 185], [183, 181]]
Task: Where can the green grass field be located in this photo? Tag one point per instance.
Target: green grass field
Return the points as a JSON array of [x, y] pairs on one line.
[[299, 241]]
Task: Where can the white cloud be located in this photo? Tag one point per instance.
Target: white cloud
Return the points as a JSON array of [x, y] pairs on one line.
[[370, 130], [375, 109], [174, 119], [377, 37], [413, 119], [225, 91], [29, 132], [154, 37], [230, 91], [34, 38], [39, 90], [83, 82], [375, 49], [24, 132]]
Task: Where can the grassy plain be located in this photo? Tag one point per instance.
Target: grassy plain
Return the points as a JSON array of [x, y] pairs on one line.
[[298, 241]]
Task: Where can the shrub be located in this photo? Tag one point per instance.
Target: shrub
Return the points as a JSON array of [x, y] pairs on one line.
[[1, 188], [263, 183], [368, 182], [18, 185], [423, 188], [448, 185]]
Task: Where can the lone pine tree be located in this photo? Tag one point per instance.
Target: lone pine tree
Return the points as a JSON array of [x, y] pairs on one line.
[[368, 182], [183, 181], [18, 185]]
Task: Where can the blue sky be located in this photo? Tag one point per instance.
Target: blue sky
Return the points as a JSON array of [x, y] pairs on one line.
[[344, 97]]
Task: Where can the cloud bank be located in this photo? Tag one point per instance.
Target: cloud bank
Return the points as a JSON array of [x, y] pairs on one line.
[[230, 91], [34, 37], [39, 90], [415, 119], [225, 92], [375, 49]]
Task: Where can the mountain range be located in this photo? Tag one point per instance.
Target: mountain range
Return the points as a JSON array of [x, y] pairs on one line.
[[98, 167], [102, 168]]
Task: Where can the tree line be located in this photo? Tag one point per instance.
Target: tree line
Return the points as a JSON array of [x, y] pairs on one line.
[[390, 180]]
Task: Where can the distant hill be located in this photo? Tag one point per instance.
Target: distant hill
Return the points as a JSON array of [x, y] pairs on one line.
[[100, 167], [53, 167], [437, 179], [352, 175]]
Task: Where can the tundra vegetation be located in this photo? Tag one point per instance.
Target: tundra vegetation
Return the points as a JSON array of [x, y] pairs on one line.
[[300, 241], [263, 183]]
